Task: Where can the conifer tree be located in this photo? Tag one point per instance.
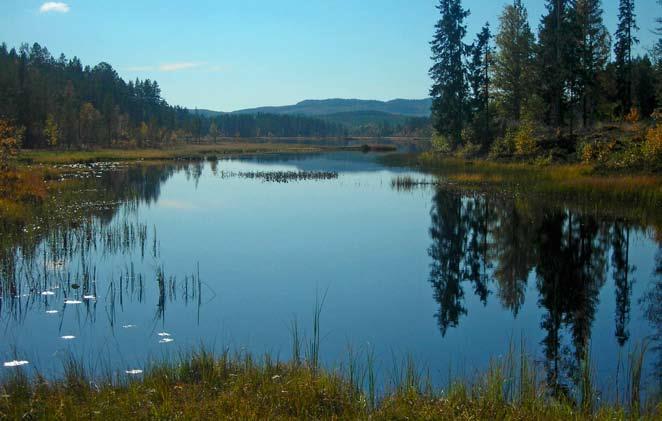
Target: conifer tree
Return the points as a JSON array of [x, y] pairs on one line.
[[625, 41], [557, 60], [449, 89], [594, 45], [479, 81], [513, 75]]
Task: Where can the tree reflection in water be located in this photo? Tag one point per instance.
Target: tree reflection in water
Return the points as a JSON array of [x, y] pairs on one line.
[[478, 241]]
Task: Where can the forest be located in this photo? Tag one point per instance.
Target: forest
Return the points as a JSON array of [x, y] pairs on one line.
[[51, 102], [570, 91]]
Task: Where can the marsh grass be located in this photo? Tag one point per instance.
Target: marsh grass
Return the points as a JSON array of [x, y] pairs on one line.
[[202, 384], [191, 151], [575, 185]]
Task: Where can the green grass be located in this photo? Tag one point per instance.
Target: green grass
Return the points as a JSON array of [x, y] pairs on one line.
[[576, 185], [202, 385], [192, 151]]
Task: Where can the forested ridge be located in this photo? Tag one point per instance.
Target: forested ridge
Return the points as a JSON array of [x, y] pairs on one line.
[[568, 91], [60, 103]]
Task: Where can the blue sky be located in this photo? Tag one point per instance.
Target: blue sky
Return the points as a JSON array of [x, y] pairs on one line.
[[232, 54]]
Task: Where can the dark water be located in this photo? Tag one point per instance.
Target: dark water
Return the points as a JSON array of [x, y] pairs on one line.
[[229, 253]]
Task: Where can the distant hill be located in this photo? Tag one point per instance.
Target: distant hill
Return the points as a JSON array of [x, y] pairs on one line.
[[409, 117], [314, 107]]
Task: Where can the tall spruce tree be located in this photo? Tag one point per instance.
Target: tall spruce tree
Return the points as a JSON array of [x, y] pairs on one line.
[[449, 88], [625, 41], [556, 56], [594, 45], [479, 81], [513, 66]]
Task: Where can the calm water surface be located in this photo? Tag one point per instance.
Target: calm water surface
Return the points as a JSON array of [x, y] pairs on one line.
[[227, 254]]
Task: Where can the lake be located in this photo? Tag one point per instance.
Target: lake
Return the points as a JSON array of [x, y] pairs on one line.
[[126, 264]]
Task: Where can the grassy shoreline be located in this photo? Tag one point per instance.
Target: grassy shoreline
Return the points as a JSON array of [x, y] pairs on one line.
[[185, 151], [202, 385], [573, 183], [193, 151]]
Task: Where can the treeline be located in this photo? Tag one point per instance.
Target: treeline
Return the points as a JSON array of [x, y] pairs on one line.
[[517, 92], [58, 102], [262, 125], [409, 127]]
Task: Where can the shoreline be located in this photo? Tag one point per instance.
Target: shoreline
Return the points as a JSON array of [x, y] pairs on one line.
[[185, 152], [201, 385]]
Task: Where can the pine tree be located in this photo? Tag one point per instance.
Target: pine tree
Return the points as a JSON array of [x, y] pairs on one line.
[[556, 59], [513, 75], [479, 81], [594, 45], [449, 89], [625, 41]]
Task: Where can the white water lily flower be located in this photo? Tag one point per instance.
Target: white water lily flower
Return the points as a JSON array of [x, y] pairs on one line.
[[134, 371], [67, 337], [16, 363], [51, 311], [72, 302], [164, 334], [166, 340], [89, 297], [128, 326], [48, 293]]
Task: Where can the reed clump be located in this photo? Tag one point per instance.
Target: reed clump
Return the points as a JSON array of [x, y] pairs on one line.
[[205, 385]]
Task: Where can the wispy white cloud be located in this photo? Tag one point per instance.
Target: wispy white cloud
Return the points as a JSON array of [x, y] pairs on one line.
[[175, 67], [54, 6]]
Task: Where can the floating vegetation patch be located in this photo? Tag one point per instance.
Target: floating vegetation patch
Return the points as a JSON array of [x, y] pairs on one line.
[[282, 176], [408, 183], [90, 170]]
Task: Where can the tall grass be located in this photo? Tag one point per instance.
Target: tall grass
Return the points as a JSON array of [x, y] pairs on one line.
[[202, 384]]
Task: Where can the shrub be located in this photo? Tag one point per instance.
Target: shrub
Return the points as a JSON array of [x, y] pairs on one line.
[[440, 143], [505, 146], [469, 150], [11, 138], [653, 145], [525, 141]]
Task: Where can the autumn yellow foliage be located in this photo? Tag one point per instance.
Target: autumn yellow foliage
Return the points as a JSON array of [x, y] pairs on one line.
[[11, 138], [653, 144]]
